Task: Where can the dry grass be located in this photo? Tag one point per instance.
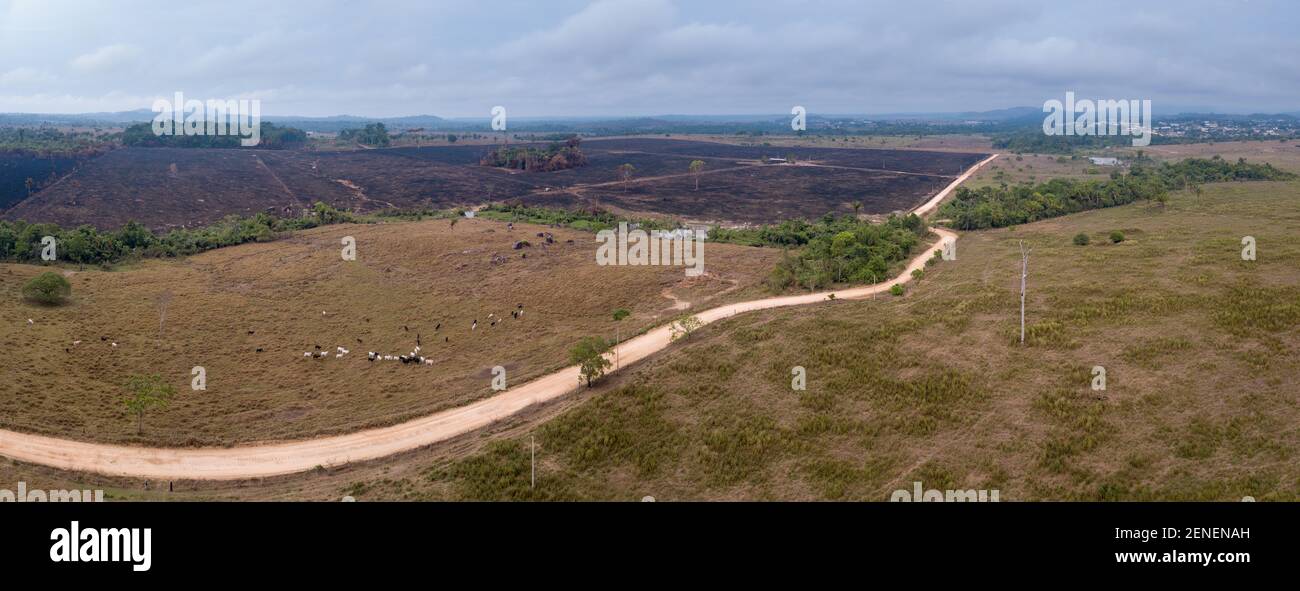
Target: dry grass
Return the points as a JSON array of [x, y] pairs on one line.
[[412, 275], [1199, 349], [1284, 155]]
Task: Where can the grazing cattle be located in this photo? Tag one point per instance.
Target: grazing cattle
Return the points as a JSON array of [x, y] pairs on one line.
[[259, 350], [474, 325], [437, 327], [29, 321], [370, 355], [251, 332]]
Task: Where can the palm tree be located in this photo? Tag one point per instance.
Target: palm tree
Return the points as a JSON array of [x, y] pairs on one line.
[[697, 166], [625, 174]]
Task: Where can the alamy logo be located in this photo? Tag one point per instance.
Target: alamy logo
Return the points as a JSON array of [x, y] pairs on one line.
[[73, 544], [241, 118], [50, 496], [637, 247], [919, 495], [1101, 117]]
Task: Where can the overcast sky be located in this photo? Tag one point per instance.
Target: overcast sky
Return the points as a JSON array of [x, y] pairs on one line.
[[641, 57]]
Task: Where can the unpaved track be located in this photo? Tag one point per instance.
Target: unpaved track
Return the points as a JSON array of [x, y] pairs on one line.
[[272, 459]]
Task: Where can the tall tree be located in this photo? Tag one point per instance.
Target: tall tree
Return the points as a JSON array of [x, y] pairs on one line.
[[697, 167]]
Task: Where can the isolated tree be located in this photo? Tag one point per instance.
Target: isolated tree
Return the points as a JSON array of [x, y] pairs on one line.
[[625, 171], [29, 182], [857, 207], [589, 355], [683, 327], [697, 167], [146, 392], [47, 288]]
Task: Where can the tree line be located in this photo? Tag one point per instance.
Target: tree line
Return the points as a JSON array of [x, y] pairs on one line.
[[553, 156], [21, 241], [373, 134], [273, 137], [1001, 206]]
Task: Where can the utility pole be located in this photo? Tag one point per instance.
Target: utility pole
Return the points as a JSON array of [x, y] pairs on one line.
[[1024, 275], [533, 445]]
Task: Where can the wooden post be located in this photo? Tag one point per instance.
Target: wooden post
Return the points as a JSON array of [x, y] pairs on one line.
[[1024, 275]]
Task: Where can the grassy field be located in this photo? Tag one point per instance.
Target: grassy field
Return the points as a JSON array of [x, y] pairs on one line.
[[1198, 347], [1014, 169], [1036, 168], [288, 296], [1284, 155]]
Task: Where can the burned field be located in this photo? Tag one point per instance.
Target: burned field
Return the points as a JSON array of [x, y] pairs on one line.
[[759, 194], [175, 187]]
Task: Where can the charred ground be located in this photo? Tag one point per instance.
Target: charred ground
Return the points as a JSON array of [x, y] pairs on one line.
[[176, 187]]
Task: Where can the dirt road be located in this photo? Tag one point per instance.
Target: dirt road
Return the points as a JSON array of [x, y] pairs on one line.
[[254, 461]]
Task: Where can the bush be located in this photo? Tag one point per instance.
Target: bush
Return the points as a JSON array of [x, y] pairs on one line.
[[47, 288], [1081, 239], [1117, 237], [897, 289]]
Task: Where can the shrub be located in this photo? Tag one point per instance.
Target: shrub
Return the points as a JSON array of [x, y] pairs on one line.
[[1081, 239], [897, 289], [47, 288], [1116, 237]]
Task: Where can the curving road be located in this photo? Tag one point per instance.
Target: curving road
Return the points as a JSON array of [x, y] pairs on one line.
[[272, 459]]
